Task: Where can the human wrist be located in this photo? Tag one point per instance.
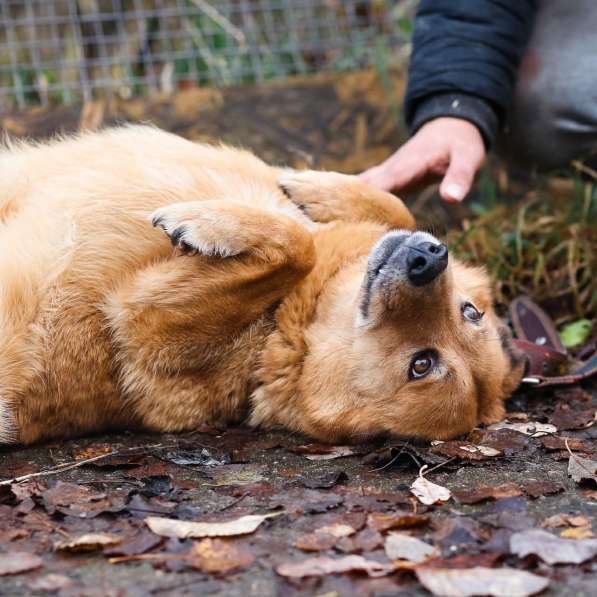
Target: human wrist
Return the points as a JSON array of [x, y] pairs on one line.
[[458, 105]]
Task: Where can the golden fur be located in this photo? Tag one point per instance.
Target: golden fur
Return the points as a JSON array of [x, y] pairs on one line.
[[256, 313]]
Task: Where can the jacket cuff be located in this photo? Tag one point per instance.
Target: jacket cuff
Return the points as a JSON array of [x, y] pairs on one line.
[[458, 105]]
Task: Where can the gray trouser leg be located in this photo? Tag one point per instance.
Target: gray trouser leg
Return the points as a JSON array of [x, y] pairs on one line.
[[554, 113]]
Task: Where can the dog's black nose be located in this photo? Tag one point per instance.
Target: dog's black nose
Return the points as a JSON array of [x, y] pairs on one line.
[[425, 262]]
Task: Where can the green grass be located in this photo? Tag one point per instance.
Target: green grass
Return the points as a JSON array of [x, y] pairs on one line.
[[543, 245]]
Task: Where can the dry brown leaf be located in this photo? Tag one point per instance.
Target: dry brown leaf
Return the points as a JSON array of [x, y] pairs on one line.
[[88, 542], [18, 561], [552, 549], [322, 566], [488, 492], [537, 489], [182, 529], [582, 469], [324, 538], [382, 521], [427, 492], [467, 582], [219, 556], [400, 546], [563, 520]]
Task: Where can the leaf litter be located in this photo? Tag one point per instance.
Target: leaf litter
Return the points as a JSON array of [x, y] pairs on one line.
[[184, 506]]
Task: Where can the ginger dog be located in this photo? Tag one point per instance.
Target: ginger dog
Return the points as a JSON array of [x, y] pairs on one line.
[[292, 299]]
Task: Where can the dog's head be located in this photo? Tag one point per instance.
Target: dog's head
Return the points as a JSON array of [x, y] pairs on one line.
[[409, 347]]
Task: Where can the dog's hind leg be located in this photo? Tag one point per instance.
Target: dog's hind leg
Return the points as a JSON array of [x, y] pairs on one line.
[[182, 326]]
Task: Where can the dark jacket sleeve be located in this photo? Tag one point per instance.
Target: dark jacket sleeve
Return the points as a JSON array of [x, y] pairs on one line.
[[464, 60]]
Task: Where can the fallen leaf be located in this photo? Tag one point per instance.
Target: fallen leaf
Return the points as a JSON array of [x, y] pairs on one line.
[[563, 520], [322, 566], [182, 529], [465, 450], [572, 416], [507, 441], [136, 545], [533, 428], [578, 533], [553, 442], [509, 518], [324, 537], [18, 561], [427, 492], [500, 582], [322, 451], [540, 488], [400, 546], [582, 469], [381, 521], [575, 333], [464, 560], [552, 549], [88, 542], [365, 540], [487, 492], [219, 556], [454, 533], [75, 500]]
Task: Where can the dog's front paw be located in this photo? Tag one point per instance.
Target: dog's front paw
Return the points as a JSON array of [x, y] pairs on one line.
[[318, 194], [199, 228]]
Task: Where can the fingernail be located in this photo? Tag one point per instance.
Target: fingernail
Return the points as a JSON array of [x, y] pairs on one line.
[[455, 191]]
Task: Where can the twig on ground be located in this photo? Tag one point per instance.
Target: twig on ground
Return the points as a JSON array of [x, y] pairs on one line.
[[57, 469], [67, 466], [437, 466], [236, 501], [391, 462]]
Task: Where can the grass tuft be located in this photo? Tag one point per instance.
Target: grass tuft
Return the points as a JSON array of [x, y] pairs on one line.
[[543, 246]]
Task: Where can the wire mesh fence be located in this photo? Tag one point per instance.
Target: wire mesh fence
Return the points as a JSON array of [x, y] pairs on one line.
[[60, 51]]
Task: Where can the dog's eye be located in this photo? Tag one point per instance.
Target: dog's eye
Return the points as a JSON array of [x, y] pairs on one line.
[[421, 365], [470, 312]]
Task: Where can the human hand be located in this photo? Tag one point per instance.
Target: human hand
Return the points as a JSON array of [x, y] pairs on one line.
[[448, 148]]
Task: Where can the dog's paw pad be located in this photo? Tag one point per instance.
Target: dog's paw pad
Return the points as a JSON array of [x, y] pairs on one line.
[[197, 231]]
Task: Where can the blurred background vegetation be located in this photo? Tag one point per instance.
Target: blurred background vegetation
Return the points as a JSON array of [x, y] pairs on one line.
[[56, 51]]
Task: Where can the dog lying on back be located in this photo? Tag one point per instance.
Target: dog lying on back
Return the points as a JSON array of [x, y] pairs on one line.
[[293, 299]]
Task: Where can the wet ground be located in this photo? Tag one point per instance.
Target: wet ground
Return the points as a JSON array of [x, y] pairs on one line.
[[219, 475]]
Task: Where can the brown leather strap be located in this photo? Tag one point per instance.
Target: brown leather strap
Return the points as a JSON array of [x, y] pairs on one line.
[[547, 361], [585, 371], [542, 361], [533, 324]]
